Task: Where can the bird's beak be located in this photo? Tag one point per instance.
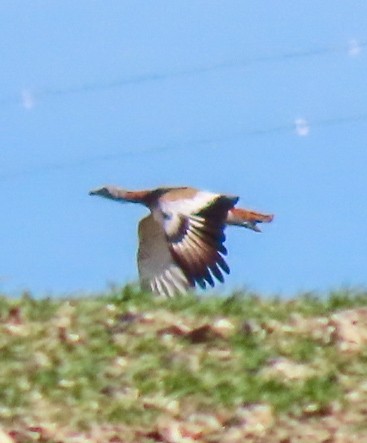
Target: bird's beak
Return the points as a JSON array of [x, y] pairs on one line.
[[102, 192]]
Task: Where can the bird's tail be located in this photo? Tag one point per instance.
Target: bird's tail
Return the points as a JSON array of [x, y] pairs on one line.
[[247, 218]]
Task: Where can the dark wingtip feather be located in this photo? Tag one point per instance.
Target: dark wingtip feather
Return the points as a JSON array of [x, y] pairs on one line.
[[209, 279], [217, 273], [222, 263], [222, 249], [201, 283]]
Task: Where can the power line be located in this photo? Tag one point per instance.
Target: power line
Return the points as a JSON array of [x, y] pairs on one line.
[[197, 143], [353, 48]]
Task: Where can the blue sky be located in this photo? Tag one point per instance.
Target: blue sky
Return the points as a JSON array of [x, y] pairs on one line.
[[200, 93]]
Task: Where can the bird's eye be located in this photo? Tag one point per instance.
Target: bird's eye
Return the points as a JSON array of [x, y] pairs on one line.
[[167, 215]]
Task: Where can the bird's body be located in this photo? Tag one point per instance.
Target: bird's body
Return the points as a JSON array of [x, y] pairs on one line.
[[181, 242]]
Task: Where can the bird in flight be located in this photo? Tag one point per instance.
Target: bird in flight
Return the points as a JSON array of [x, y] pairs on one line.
[[181, 241]]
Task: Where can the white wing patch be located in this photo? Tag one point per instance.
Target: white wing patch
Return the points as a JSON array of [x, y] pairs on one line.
[[187, 206], [170, 212], [158, 271], [194, 231]]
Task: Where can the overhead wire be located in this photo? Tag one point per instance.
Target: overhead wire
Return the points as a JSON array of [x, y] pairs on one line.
[[143, 78], [198, 143], [198, 70]]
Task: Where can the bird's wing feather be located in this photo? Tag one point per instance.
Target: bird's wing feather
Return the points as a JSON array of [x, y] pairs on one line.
[[194, 229], [158, 271]]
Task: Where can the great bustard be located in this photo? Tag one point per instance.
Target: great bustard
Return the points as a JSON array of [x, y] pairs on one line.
[[181, 242]]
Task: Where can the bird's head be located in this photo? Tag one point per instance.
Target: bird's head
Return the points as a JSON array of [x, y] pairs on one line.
[[121, 195], [110, 192]]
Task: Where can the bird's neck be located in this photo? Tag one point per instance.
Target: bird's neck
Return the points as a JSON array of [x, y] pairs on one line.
[[142, 197]]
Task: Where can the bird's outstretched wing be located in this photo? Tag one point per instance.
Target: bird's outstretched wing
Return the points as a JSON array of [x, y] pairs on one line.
[[158, 271], [194, 230]]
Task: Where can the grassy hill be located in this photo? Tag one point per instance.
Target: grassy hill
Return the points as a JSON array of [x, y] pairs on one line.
[[126, 367]]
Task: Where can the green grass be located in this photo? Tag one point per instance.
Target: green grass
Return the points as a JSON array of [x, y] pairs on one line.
[[105, 360]]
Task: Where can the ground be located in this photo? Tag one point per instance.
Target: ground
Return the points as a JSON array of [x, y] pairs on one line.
[[127, 367]]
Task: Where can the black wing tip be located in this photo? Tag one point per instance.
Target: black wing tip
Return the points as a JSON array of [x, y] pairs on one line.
[[223, 264]]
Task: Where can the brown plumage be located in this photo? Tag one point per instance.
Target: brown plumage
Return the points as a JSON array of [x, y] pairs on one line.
[[181, 242]]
